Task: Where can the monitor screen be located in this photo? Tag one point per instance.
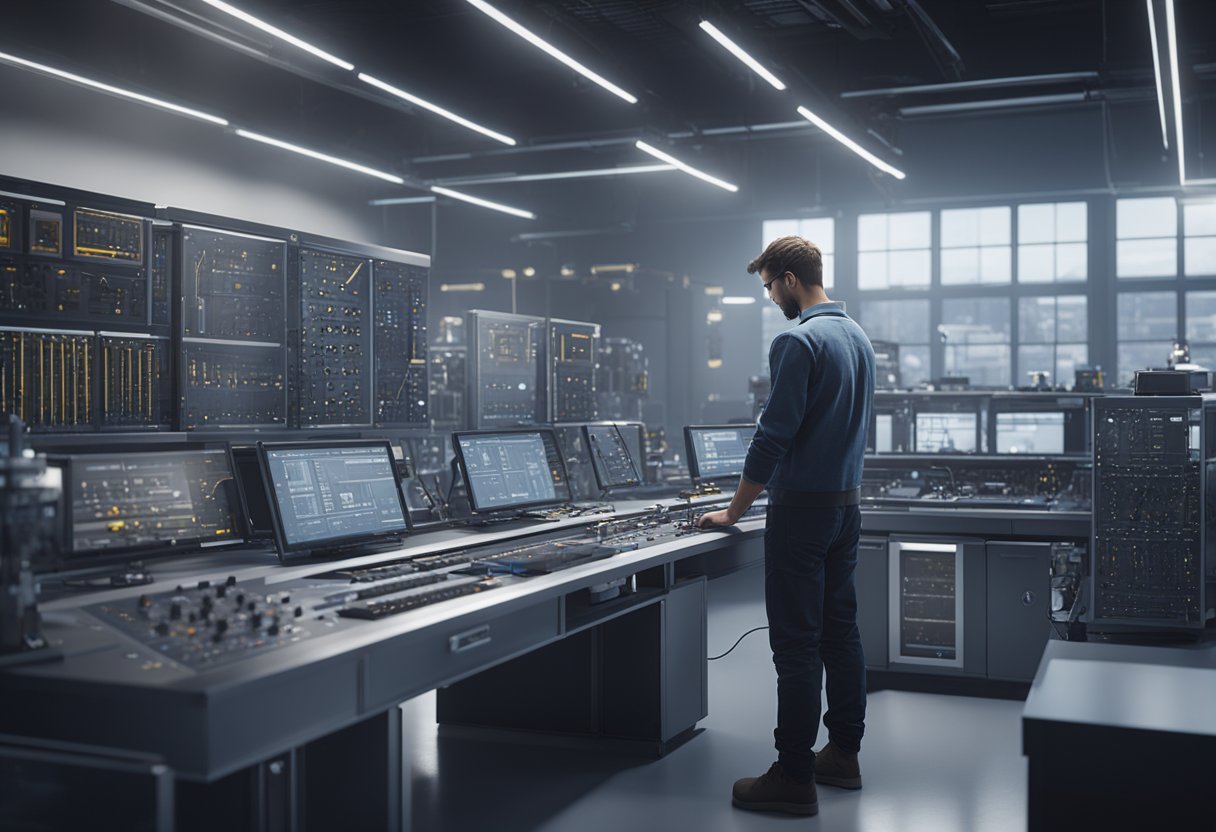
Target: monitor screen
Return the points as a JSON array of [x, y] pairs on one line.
[[507, 470], [328, 494], [1030, 433], [718, 450], [157, 500], [946, 433], [884, 437], [616, 463]]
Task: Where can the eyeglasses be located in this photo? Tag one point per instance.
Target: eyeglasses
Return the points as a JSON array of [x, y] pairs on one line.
[[768, 291]]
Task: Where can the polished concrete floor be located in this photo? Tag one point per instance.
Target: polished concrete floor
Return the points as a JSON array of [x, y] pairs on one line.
[[930, 762]]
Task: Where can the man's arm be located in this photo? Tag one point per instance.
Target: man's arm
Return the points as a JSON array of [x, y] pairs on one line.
[[745, 495]]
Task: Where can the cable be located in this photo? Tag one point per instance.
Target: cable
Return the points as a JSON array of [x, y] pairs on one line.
[[736, 644]]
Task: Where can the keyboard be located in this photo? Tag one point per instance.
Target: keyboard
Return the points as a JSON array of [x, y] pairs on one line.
[[550, 557], [374, 610], [392, 587]]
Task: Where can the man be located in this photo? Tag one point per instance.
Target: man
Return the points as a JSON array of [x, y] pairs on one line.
[[808, 451]]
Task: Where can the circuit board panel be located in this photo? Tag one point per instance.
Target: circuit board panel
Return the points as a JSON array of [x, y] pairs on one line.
[[162, 276], [334, 354], [135, 382], [506, 373], [401, 344], [232, 286], [105, 236], [67, 294], [573, 350], [232, 385], [46, 379]]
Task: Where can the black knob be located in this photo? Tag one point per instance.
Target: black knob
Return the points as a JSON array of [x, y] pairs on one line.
[[175, 611], [207, 603], [162, 628], [255, 620], [240, 598], [273, 630], [221, 591], [253, 605], [299, 611], [286, 599], [204, 584], [221, 625], [231, 580]]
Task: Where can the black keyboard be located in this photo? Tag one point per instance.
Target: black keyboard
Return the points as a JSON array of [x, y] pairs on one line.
[[391, 587], [441, 561], [393, 606]]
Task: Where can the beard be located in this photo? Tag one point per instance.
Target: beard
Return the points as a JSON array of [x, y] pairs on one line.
[[789, 308]]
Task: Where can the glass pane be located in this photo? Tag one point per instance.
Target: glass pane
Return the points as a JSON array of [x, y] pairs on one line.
[[1033, 358], [994, 226], [914, 364], [1200, 255], [1204, 355], [1141, 355], [1037, 223], [910, 268], [1068, 358], [1072, 261], [1072, 323], [910, 230], [960, 265], [976, 320], [872, 270], [1144, 315], [829, 270], [1152, 217], [821, 231], [901, 321], [995, 264], [1199, 219], [1036, 263], [777, 228], [1146, 258], [1071, 222], [1036, 321], [1200, 316], [985, 364], [871, 232], [960, 227]]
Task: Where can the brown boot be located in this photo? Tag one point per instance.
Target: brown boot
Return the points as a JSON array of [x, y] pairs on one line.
[[774, 791], [834, 767]]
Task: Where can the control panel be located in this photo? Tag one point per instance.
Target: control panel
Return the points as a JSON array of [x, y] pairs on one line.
[[225, 385], [66, 293], [334, 353], [136, 391], [506, 354], [162, 276], [105, 236], [232, 286], [401, 344], [46, 379], [573, 352]]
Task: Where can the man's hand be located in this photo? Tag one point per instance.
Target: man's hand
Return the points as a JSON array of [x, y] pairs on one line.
[[716, 518]]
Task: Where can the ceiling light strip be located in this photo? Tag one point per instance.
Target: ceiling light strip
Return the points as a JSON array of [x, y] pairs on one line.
[[401, 200], [736, 50], [1172, 44], [484, 203], [689, 169], [1152, 33], [435, 108], [279, 33], [561, 174], [323, 157], [549, 49], [111, 89], [850, 144]]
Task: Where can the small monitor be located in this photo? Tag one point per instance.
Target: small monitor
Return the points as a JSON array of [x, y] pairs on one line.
[[142, 503], [327, 496], [717, 451], [884, 433], [946, 433], [1029, 433], [511, 470], [615, 463]]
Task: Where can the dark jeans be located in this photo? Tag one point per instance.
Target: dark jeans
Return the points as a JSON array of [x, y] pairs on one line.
[[809, 558]]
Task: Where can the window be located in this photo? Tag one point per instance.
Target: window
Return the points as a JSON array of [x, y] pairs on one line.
[[819, 230], [1052, 242], [977, 339], [1199, 226], [905, 322], [975, 246], [1053, 335], [1201, 327], [1146, 327], [893, 250], [1146, 237]]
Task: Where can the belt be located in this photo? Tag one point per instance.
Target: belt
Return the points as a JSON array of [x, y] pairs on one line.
[[814, 499]]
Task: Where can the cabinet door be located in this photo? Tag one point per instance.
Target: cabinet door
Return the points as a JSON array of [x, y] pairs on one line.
[[1019, 598], [871, 582]]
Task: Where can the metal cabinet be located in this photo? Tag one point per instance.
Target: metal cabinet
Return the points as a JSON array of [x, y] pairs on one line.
[[1019, 598], [870, 580]]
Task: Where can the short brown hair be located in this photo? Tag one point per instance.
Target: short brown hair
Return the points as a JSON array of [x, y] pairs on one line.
[[791, 254]]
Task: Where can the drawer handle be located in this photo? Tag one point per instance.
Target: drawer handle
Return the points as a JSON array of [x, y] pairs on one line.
[[468, 640]]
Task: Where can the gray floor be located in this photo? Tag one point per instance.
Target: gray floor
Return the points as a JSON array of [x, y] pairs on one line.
[[933, 763]]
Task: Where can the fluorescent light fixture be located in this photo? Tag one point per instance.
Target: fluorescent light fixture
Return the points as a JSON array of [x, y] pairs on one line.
[[484, 203], [1152, 33], [112, 90], [715, 291], [994, 104], [549, 49], [462, 287], [689, 169], [323, 157], [435, 108], [278, 33], [849, 143], [615, 286], [714, 316], [508, 274], [1171, 36], [737, 300], [561, 174], [980, 84], [402, 200], [714, 363], [734, 49], [627, 268], [529, 271]]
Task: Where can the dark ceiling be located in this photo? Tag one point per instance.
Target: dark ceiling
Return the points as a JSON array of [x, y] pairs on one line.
[[691, 91]]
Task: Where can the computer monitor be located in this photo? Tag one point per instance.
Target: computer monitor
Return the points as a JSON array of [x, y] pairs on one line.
[[717, 451], [333, 495], [1029, 433], [259, 517], [947, 433], [512, 469], [615, 463], [141, 504]]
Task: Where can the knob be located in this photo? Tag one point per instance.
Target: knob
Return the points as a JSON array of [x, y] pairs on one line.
[[145, 601], [221, 625], [162, 628], [175, 611], [272, 630], [298, 612], [204, 584], [231, 580], [221, 591]]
